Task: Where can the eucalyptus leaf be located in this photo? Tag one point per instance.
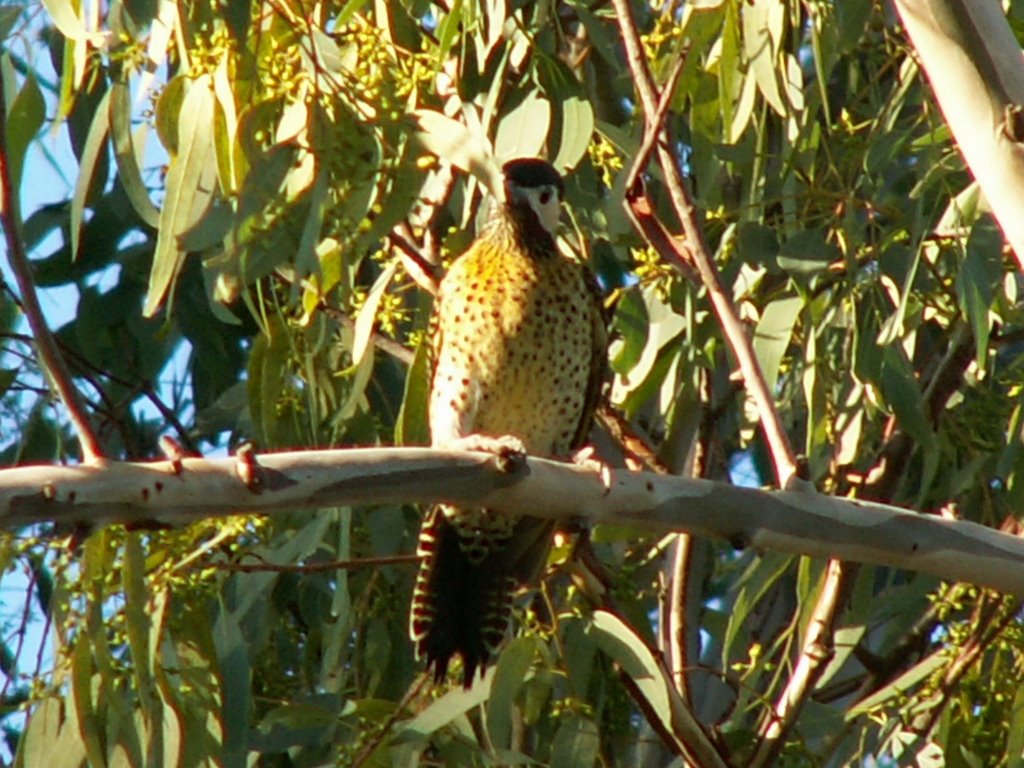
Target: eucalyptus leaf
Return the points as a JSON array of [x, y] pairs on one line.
[[89, 164], [576, 744], [511, 670], [190, 188], [577, 132], [24, 119], [976, 280], [773, 334], [453, 142], [129, 173], [807, 253], [411, 427], [524, 130]]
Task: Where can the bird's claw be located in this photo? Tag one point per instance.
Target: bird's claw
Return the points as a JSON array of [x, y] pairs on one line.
[[509, 450]]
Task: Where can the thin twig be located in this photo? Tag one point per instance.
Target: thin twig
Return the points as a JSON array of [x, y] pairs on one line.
[[425, 274], [982, 638], [49, 355], [21, 631], [634, 445], [331, 565], [655, 122], [385, 344], [675, 619], [169, 416], [377, 739], [814, 656], [650, 227]]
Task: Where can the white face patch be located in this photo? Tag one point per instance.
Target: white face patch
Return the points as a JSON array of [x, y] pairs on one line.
[[546, 203]]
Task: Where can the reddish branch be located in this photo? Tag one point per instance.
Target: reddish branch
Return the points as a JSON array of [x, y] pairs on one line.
[[692, 255], [49, 356], [698, 256]]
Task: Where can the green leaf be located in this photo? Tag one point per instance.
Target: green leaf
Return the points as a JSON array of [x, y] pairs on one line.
[[807, 253], [400, 191], [24, 119], [368, 313], [9, 16], [291, 725], [773, 333], [453, 142], [138, 623], [82, 671], [579, 649], [511, 670], [602, 35], [631, 326], [523, 131], [761, 576], [268, 375], [630, 652], [94, 149], [411, 427], [824, 37], [903, 395], [7, 377], [128, 170], [577, 131], [1015, 732], [190, 186], [235, 677], [306, 261], [359, 377], [348, 10], [65, 17], [663, 327], [901, 686], [163, 661], [975, 281], [443, 711], [757, 245], [763, 28], [43, 730], [448, 30], [637, 391], [294, 120], [576, 744], [168, 112], [851, 16]]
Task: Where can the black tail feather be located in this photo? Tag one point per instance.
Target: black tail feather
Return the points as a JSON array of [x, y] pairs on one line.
[[460, 606]]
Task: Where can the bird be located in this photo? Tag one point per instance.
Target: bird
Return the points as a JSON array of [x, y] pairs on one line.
[[518, 350]]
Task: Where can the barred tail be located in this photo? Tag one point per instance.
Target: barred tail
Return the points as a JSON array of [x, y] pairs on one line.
[[460, 605]]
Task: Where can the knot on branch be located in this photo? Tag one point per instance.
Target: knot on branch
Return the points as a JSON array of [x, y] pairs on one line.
[[248, 468]]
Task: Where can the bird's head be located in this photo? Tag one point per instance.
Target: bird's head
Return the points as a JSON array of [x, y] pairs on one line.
[[533, 192]]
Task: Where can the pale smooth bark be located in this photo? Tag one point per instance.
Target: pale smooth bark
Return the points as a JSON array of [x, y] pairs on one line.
[[795, 521], [976, 69]]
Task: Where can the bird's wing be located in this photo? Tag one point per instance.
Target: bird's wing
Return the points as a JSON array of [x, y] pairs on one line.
[[598, 373]]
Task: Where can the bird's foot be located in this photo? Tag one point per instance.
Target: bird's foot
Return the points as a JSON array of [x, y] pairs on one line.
[[509, 450], [585, 457]]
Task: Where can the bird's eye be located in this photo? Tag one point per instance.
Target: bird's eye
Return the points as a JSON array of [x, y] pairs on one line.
[[545, 197]]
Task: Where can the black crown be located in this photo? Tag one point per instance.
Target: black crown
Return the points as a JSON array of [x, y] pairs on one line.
[[527, 172]]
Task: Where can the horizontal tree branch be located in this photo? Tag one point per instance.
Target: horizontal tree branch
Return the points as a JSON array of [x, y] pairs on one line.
[[795, 521]]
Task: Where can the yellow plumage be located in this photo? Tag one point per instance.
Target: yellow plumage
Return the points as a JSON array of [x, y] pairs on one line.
[[519, 347]]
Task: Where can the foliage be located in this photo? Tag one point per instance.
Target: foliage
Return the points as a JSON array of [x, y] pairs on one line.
[[258, 185]]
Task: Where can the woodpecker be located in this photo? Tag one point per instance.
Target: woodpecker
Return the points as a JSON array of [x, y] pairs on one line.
[[519, 349]]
